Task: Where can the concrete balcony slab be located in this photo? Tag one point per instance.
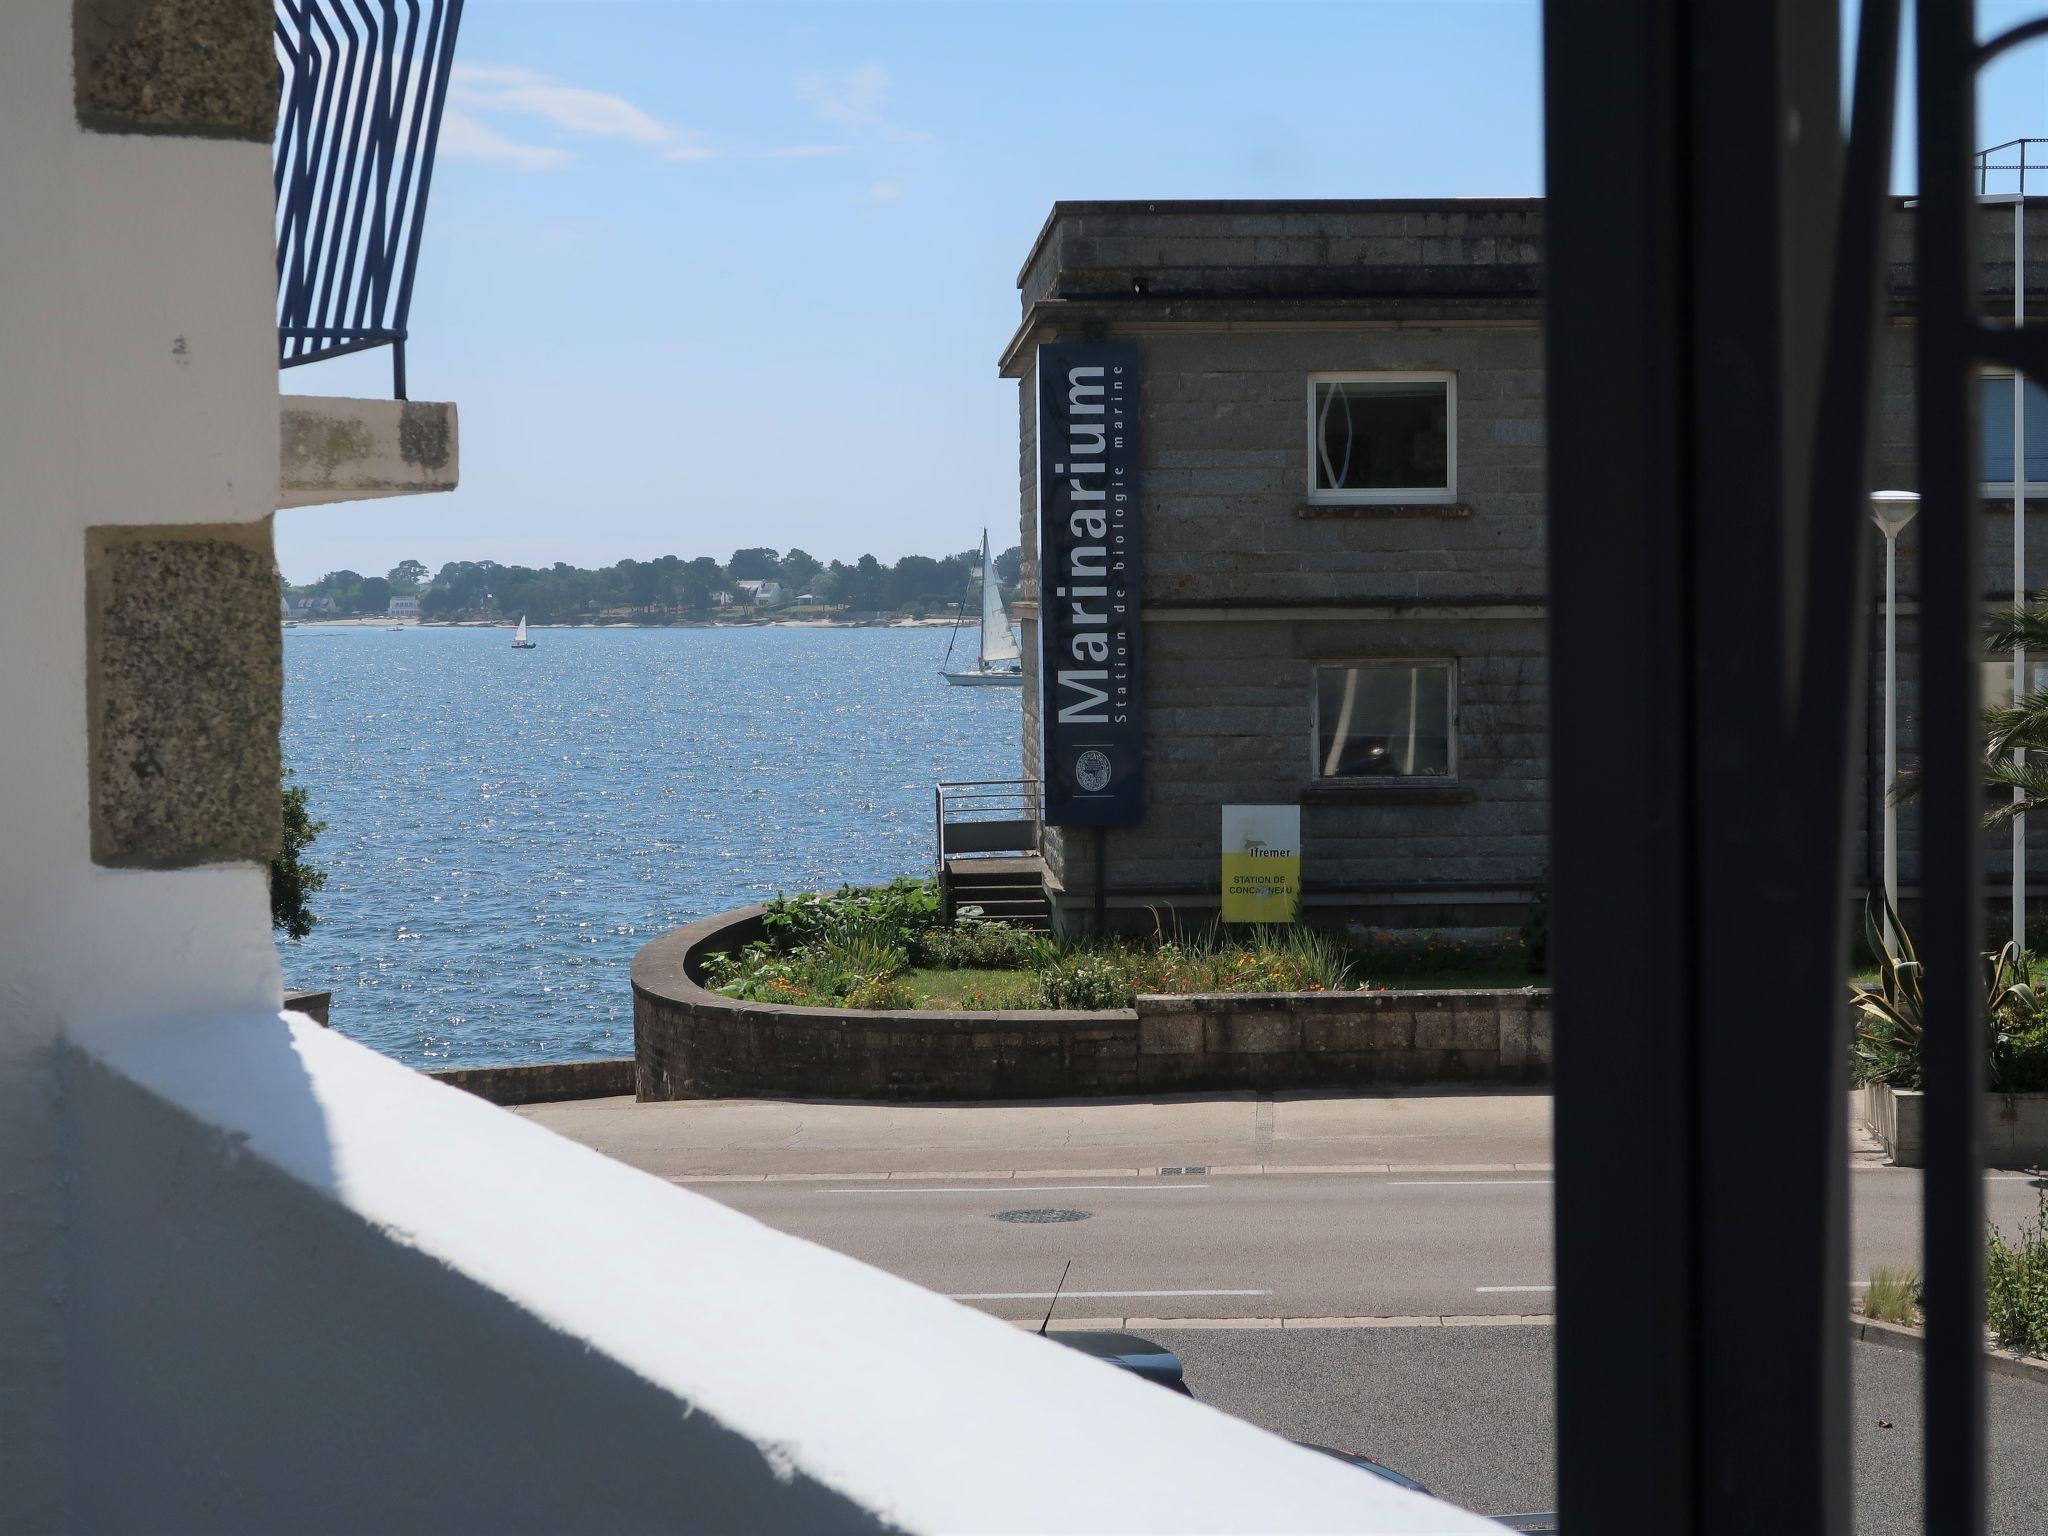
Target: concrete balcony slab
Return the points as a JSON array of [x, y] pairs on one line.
[[333, 449]]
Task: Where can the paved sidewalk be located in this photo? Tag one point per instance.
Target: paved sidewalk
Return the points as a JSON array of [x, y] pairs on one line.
[[717, 1139]]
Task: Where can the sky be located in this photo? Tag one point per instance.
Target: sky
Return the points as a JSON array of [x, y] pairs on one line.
[[709, 276]]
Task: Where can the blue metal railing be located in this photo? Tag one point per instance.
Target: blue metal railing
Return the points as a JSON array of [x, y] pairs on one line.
[[364, 86]]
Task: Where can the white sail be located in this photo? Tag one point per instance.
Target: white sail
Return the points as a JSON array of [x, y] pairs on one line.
[[520, 638], [998, 639]]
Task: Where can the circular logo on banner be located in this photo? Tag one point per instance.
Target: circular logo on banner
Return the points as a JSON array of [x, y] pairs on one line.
[[1091, 771]]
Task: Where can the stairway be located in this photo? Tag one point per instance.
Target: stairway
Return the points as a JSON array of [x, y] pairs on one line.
[[1008, 891]]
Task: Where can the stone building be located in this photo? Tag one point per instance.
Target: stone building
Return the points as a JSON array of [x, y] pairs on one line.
[[1343, 542], [1343, 526]]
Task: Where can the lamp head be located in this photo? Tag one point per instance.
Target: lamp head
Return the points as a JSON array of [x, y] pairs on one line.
[[1892, 510]]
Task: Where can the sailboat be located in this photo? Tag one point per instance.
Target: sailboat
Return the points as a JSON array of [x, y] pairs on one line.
[[999, 666], [519, 640]]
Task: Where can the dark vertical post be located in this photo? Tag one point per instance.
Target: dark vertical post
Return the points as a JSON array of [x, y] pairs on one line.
[[1622, 911], [1708, 338], [1951, 871]]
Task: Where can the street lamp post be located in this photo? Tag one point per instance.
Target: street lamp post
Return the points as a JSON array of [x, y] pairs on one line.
[[1891, 511]]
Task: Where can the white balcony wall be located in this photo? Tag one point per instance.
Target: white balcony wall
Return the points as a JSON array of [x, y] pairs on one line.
[[317, 1291], [138, 386]]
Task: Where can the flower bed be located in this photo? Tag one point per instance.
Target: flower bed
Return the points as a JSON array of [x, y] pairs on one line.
[[889, 948], [692, 1042]]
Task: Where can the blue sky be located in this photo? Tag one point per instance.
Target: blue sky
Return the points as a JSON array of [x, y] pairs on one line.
[[703, 276]]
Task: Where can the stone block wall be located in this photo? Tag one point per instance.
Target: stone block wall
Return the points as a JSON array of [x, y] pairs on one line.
[[1343, 1039], [1226, 463]]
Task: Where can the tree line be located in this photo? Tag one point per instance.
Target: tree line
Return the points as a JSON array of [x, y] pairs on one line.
[[657, 590]]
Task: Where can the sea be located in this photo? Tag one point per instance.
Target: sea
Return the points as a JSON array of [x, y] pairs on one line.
[[504, 828]]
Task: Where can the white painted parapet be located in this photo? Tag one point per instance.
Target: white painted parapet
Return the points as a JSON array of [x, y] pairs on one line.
[[333, 449], [317, 1291]]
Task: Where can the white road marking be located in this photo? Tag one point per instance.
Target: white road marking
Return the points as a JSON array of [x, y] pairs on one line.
[[1014, 1189], [1048, 1295], [1497, 1290], [1455, 1183]]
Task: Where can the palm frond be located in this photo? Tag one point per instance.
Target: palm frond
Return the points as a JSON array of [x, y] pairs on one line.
[[2019, 627]]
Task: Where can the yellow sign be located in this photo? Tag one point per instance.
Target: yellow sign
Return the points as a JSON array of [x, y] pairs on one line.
[[1261, 863]]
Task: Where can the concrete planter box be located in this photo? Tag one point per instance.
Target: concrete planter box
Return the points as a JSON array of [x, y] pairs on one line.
[[692, 1043], [2015, 1126]]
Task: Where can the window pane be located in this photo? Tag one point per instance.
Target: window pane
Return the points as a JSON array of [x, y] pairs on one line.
[[1384, 719], [1994, 410], [1373, 435]]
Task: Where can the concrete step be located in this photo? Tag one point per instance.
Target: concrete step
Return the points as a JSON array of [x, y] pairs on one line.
[[982, 882], [992, 907]]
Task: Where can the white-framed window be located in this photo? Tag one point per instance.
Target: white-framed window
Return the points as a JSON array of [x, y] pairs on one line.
[[1994, 427], [1382, 437], [1386, 719]]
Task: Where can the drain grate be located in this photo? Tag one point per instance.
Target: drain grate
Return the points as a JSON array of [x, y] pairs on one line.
[[1043, 1215], [1189, 1168]]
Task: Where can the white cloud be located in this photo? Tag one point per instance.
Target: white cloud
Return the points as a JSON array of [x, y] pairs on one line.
[[465, 138], [516, 91], [856, 98], [886, 192]]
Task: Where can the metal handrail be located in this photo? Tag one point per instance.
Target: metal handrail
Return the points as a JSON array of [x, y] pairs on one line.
[[365, 82], [2021, 165], [965, 801]]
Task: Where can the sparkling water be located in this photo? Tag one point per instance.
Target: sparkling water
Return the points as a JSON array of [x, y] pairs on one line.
[[505, 828]]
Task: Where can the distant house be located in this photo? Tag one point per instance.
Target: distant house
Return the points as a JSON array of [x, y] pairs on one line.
[[403, 608], [760, 594], [721, 599]]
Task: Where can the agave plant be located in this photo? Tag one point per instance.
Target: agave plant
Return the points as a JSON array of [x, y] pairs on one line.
[[1890, 1016]]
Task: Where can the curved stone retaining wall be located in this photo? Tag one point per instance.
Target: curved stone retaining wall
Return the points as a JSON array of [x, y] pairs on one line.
[[691, 1043]]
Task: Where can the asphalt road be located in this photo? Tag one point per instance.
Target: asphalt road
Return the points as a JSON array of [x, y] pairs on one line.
[[1252, 1246], [1468, 1411]]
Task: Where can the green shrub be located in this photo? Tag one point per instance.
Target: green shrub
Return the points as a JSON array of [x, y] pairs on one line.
[[896, 913], [1890, 1016], [1893, 1295], [2019, 1056], [860, 972], [292, 879], [1085, 981], [2016, 1285], [1283, 959], [971, 945]]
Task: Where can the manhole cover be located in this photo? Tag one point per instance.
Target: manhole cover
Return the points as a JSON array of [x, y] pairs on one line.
[[1043, 1215]]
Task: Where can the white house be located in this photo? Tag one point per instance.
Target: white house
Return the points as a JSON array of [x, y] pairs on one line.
[[403, 608], [760, 594]]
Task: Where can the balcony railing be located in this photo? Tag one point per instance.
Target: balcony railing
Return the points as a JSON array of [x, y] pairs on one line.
[[987, 816], [364, 86], [2006, 167]]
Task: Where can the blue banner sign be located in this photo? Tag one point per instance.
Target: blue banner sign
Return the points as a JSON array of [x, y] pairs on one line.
[[1090, 565]]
